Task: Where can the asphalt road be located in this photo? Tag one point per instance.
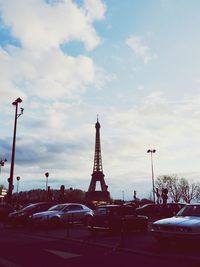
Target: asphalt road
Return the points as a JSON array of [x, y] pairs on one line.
[[22, 248]]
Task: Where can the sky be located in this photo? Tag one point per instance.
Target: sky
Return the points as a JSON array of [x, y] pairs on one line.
[[135, 63]]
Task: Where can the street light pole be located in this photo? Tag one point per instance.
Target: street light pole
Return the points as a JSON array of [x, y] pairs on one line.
[[10, 179], [47, 175], [18, 178], [47, 192], [152, 172]]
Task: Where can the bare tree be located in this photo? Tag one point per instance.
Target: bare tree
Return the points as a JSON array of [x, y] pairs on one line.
[[178, 188], [189, 191], [172, 184]]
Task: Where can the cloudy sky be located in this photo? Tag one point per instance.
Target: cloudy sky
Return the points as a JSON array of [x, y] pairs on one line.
[[136, 63]]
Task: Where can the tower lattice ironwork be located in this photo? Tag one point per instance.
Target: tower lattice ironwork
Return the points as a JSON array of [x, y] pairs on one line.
[[97, 175]]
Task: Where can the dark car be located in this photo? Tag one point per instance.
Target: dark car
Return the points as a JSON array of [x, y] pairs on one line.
[[117, 218], [21, 217], [171, 209], [152, 211], [158, 211]]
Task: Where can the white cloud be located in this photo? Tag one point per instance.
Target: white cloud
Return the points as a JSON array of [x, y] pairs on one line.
[[140, 50], [41, 26], [46, 75], [95, 9], [39, 67]]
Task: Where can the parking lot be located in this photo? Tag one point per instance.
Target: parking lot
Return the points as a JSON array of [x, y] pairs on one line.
[[136, 242]]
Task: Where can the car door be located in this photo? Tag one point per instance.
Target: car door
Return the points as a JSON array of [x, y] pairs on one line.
[[100, 218], [74, 213]]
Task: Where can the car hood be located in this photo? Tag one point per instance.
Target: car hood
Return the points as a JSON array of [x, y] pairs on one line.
[[180, 221], [44, 213]]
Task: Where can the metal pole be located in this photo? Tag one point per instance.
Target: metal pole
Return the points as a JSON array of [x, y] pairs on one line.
[[10, 188], [18, 178], [10, 179], [152, 173], [46, 183], [47, 175]]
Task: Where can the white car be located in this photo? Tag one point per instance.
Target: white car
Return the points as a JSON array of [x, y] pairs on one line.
[[184, 226], [63, 214]]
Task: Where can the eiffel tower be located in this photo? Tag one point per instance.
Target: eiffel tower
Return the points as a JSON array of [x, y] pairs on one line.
[[97, 176]]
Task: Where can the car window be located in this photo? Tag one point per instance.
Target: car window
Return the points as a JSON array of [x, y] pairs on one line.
[[190, 210], [100, 211], [113, 211], [56, 207], [74, 207], [125, 211]]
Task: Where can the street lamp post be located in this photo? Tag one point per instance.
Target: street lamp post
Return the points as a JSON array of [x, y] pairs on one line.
[[47, 175], [47, 191], [152, 172], [18, 178], [2, 161], [10, 179]]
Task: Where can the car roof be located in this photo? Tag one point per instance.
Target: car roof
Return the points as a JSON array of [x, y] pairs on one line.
[[193, 204], [110, 206], [70, 204]]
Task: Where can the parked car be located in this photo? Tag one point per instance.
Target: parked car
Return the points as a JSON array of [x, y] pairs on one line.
[[184, 226], [117, 218], [5, 210], [159, 211], [21, 217], [63, 214], [170, 209], [152, 211]]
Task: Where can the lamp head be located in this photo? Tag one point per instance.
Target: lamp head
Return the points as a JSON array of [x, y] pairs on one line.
[[17, 101], [151, 150]]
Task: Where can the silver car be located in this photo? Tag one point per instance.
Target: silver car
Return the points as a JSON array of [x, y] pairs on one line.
[[63, 214], [184, 226]]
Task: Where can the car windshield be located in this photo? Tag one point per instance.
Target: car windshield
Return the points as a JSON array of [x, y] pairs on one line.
[[190, 210], [57, 207]]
